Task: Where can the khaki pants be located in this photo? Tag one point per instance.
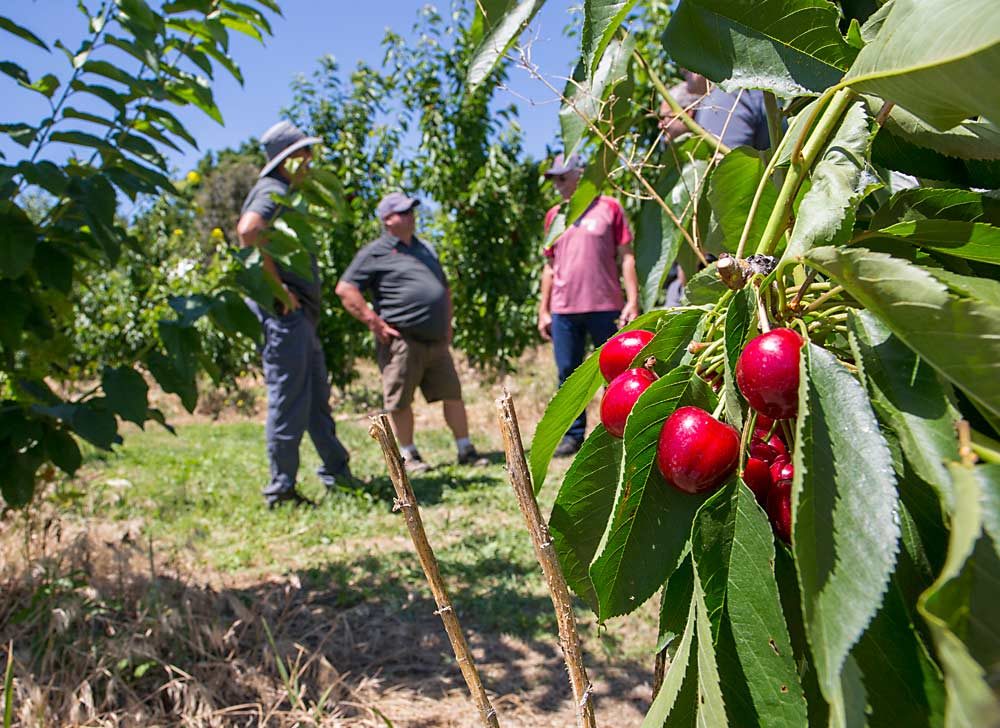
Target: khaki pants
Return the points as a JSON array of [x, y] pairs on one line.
[[406, 363]]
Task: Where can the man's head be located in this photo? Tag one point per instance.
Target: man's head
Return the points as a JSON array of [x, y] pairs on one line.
[[565, 174], [284, 142], [395, 210]]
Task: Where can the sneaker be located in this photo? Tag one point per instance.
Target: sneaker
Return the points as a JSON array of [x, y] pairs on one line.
[[290, 496], [469, 456], [567, 446], [415, 465]]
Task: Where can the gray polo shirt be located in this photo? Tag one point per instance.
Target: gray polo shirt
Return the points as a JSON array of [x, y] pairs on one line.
[[407, 286], [261, 200]]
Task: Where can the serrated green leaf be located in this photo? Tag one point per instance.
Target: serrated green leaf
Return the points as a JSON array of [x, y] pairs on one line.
[[970, 240], [126, 392], [961, 607], [790, 47], [669, 345], [711, 706], [734, 184], [908, 396], [960, 338], [739, 329], [922, 203], [18, 238], [570, 401], [972, 139], [674, 605], [582, 509], [21, 32], [845, 529], [733, 547], [705, 287], [839, 180], [586, 94], [934, 70], [652, 520], [676, 677], [601, 20], [500, 35]]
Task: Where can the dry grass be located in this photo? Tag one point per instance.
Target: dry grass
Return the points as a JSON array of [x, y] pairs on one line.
[[111, 628]]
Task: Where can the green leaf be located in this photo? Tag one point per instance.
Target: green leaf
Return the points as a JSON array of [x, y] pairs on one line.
[[669, 345], [790, 47], [23, 134], [241, 26], [711, 706], [845, 530], [961, 608], [652, 520], [126, 392], [705, 287], [502, 30], [91, 420], [46, 85], [587, 95], [62, 450], [601, 20], [959, 337], [922, 203], [739, 329], [904, 685], [570, 401], [935, 70], [18, 484], [21, 32], [582, 509], [16, 72], [972, 139], [839, 180], [173, 379], [82, 139], [908, 396], [734, 184], [109, 96], [733, 547], [230, 313], [18, 238], [676, 677], [970, 240], [192, 90], [114, 73]]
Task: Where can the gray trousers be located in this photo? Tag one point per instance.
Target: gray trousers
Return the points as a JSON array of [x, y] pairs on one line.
[[298, 400]]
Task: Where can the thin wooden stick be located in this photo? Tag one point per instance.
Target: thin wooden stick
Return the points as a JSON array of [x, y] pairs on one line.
[[406, 501], [569, 638]]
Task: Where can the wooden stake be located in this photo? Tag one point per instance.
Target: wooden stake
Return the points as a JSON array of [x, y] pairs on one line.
[[406, 501], [569, 638]]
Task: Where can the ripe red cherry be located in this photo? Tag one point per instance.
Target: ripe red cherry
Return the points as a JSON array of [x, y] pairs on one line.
[[782, 469], [768, 373], [697, 453], [757, 476], [762, 426], [620, 396], [620, 350], [779, 509]]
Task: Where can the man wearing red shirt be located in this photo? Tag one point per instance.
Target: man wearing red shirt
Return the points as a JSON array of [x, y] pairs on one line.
[[581, 290]]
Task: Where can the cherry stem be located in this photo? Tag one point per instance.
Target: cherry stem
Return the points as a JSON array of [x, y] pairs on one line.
[[818, 303], [719, 407], [786, 428], [748, 428], [762, 321], [802, 290]]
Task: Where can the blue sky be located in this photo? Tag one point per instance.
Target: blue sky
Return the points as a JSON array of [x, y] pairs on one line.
[[349, 30]]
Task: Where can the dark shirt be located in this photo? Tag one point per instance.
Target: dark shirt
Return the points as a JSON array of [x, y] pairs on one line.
[[261, 200], [407, 286], [748, 125]]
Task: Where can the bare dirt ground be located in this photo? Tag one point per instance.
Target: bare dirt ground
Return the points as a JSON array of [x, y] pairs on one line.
[[121, 634]]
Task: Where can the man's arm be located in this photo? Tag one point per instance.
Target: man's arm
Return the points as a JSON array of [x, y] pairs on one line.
[[250, 230], [544, 314], [626, 258], [356, 305]]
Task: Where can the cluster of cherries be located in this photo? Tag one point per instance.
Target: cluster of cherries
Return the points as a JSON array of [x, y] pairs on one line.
[[697, 453]]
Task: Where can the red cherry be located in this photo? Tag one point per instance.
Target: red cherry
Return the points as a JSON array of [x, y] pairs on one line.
[[620, 350], [762, 426], [697, 453], [768, 373], [620, 397], [782, 469], [762, 451], [758, 478], [779, 509]]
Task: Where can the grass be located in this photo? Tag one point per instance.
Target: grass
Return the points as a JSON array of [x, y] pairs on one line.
[[203, 599]]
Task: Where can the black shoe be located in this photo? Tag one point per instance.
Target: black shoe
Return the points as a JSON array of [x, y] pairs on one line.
[[567, 446], [469, 456], [347, 480], [290, 496]]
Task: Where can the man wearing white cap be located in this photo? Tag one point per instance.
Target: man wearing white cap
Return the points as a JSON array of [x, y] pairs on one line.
[[581, 292], [411, 320], [298, 388]]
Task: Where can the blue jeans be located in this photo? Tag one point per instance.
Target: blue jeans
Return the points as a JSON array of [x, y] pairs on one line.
[[569, 340], [298, 400]]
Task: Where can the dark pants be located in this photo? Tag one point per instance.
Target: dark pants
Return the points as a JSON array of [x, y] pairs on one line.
[[569, 340], [298, 399]]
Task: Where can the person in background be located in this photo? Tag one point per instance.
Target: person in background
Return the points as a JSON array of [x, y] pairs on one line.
[[411, 321], [581, 291], [298, 388]]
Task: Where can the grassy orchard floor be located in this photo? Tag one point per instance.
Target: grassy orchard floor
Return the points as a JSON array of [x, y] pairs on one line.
[[163, 567]]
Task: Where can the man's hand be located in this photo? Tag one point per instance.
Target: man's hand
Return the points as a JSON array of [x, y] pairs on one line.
[[629, 314], [545, 325], [383, 331]]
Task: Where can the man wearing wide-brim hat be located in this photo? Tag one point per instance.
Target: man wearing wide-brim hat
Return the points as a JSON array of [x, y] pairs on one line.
[[411, 320], [298, 388]]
